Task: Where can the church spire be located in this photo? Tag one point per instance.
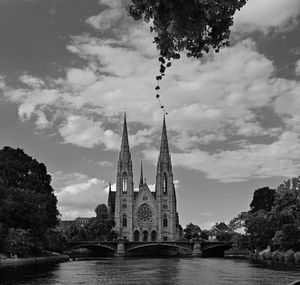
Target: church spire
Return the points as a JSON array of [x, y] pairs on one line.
[[164, 155], [141, 177], [125, 151]]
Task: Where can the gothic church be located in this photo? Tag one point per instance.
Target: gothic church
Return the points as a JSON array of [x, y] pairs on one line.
[[144, 215]]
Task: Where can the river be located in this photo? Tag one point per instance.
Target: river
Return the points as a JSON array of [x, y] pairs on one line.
[[162, 271]]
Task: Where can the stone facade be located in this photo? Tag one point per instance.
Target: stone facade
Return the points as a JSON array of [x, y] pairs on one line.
[[144, 215]]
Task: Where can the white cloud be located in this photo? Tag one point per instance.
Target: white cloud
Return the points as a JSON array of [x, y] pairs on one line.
[[105, 163], [86, 132], [265, 15], [280, 158], [216, 99], [78, 194], [78, 77], [31, 81], [106, 19]]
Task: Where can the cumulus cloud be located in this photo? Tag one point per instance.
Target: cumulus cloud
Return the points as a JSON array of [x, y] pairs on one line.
[[105, 163], [267, 15], [86, 132], [217, 99], [78, 194], [280, 158]]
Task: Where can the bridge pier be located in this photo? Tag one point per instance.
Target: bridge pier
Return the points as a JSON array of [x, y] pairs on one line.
[[120, 248], [197, 250]]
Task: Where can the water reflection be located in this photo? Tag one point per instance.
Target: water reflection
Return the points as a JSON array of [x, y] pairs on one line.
[[163, 271]]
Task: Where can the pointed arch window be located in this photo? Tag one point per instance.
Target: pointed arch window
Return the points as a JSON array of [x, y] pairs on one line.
[[165, 221], [124, 221], [136, 236], [153, 235], [124, 182], [165, 183], [145, 235]]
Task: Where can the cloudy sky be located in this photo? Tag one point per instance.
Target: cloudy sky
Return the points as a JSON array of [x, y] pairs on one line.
[[69, 69]]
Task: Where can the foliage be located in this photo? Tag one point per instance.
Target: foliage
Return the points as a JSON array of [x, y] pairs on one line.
[[192, 231], [193, 26], [238, 222], [286, 208], [18, 241], [204, 234], [260, 229], [20, 172], [289, 255], [274, 218], [72, 232], [28, 204], [263, 199], [240, 241], [98, 228], [54, 241], [224, 236], [23, 209], [292, 184]]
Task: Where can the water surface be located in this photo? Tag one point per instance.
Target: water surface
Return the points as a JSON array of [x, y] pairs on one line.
[[162, 271]]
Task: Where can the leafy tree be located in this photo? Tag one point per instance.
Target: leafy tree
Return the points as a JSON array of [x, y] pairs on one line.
[[72, 232], [101, 212], [28, 204], [286, 208], [20, 172], [101, 226], [290, 184], [263, 199], [224, 236], [204, 234], [194, 26], [19, 242], [240, 241], [260, 229], [238, 222], [54, 240], [192, 231]]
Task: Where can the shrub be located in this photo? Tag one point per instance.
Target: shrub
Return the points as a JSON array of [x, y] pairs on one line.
[[19, 242], [297, 256], [289, 256], [278, 255]]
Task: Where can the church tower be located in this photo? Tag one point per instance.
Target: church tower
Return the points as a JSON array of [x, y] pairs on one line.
[[165, 193], [124, 189]]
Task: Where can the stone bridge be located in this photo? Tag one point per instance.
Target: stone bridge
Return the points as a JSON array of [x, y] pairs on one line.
[[165, 248]]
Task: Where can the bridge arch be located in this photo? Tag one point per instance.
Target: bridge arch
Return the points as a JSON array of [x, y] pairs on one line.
[[215, 250]]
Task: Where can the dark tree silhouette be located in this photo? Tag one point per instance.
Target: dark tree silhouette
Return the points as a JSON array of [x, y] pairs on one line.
[[28, 201], [263, 199], [195, 26]]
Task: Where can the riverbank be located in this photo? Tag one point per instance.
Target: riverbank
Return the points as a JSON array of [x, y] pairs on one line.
[[11, 262], [276, 256]]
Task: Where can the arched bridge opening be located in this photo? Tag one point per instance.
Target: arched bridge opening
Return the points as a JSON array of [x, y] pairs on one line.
[[156, 249], [94, 250], [215, 250]]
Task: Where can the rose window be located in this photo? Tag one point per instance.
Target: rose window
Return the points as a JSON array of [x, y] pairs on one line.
[[144, 213]]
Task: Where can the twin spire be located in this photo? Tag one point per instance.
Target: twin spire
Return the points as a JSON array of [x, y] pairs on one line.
[[164, 155]]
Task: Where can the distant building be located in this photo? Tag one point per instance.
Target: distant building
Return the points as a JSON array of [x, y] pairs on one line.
[[81, 222], [78, 222], [218, 229], [144, 215]]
